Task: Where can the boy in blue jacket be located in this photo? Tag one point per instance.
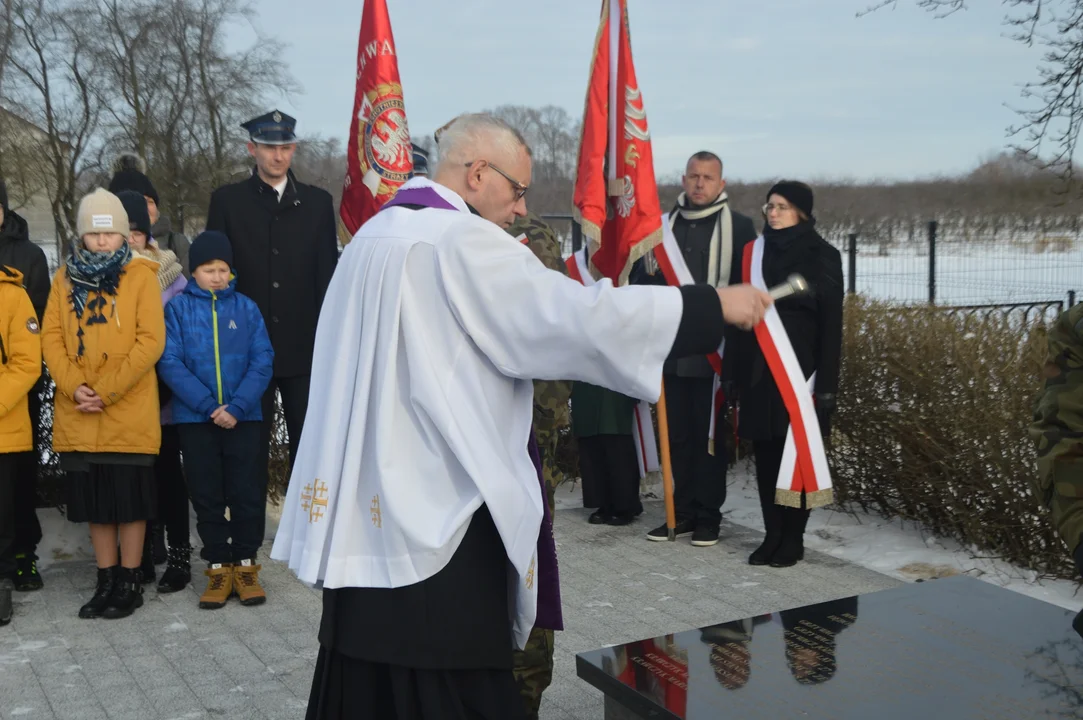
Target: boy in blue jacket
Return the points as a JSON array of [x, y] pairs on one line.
[[218, 362]]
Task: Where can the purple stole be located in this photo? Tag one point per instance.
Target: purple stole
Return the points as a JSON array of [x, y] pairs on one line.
[[549, 615]]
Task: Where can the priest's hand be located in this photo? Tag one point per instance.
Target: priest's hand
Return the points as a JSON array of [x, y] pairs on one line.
[[743, 305]]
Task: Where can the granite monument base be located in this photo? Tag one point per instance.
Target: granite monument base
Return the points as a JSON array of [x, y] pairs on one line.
[[954, 648]]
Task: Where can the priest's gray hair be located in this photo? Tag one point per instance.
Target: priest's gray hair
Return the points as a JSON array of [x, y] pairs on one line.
[[470, 137]]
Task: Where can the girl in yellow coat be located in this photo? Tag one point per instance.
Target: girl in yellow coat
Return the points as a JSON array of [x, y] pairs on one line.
[[20, 366], [103, 332]]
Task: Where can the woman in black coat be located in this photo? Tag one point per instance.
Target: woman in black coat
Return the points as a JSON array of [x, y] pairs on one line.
[[813, 322]]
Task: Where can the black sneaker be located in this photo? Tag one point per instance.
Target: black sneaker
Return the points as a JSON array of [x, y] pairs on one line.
[[705, 536], [1078, 624], [26, 576], [661, 534]]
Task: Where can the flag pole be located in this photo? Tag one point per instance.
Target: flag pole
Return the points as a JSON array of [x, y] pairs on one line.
[[667, 465]]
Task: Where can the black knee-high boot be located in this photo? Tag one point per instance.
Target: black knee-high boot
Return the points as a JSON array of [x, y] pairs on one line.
[[768, 459], [792, 549]]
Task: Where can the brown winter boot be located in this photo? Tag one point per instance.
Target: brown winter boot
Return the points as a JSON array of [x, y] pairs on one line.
[[246, 583], [219, 586]]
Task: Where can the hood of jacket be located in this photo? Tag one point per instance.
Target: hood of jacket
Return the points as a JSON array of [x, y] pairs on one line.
[[10, 275], [14, 228]]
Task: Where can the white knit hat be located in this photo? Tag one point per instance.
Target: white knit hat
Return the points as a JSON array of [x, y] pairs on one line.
[[102, 212]]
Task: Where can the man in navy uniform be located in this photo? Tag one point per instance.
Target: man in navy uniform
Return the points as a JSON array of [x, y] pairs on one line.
[[421, 161], [285, 249]]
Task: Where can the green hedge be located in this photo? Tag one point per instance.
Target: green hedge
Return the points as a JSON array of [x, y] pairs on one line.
[[932, 427]]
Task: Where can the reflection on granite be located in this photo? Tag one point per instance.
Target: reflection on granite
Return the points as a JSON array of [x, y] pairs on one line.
[[953, 648]]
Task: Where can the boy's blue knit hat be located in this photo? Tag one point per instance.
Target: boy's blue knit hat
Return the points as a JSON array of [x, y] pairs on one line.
[[209, 245]]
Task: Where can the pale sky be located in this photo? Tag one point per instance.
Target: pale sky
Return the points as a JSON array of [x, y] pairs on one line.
[[776, 87]]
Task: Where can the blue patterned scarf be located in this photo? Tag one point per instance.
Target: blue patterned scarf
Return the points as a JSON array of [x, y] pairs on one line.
[[98, 273]]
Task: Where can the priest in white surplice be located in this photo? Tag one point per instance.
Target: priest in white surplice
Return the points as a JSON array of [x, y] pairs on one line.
[[414, 500]]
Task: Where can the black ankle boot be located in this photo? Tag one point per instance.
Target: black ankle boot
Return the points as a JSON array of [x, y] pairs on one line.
[[127, 594], [98, 603], [788, 553], [766, 551], [178, 572], [792, 549], [157, 543]]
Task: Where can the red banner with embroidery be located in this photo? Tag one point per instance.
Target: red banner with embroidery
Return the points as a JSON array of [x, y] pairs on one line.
[[379, 155], [616, 198]]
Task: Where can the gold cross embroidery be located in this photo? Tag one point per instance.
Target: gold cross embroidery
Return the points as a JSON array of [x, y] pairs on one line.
[[377, 516], [530, 576], [314, 500]]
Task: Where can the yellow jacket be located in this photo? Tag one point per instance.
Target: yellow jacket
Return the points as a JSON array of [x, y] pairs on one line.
[[117, 363], [20, 361]]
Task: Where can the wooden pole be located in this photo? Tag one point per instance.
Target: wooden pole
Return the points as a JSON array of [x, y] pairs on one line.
[[667, 465]]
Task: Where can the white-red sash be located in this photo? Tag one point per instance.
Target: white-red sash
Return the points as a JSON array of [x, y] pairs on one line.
[[804, 461], [675, 270], [642, 426]]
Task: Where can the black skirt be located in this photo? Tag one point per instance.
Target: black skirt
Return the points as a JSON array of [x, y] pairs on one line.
[[112, 494], [458, 619], [345, 688]]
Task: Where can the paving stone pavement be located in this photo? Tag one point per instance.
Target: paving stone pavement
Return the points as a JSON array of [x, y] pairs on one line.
[[173, 661]]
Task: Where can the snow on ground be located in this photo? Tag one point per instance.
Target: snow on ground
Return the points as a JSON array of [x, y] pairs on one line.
[[900, 550], [62, 541]]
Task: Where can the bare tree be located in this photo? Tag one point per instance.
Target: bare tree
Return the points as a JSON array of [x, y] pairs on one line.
[[55, 82], [7, 31], [179, 96], [321, 161], [554, 138], [1051, 115]]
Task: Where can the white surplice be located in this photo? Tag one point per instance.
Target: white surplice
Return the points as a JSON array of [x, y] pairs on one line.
[[433, 327]]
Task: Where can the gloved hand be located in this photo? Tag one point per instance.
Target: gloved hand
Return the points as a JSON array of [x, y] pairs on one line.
[[825, 408]]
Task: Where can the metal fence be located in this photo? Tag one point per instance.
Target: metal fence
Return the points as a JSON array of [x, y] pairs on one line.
[[964, 270], [952, 269]]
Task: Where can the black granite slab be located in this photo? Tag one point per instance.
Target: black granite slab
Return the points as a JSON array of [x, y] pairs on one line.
[[955, 648]]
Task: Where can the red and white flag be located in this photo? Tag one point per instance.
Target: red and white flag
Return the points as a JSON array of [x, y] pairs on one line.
[[804, 461], [379, 154], [616, 198]]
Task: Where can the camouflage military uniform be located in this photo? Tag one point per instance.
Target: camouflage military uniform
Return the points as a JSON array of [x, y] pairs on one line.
[[1058, 428], [1058, 431], [533, 666]]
